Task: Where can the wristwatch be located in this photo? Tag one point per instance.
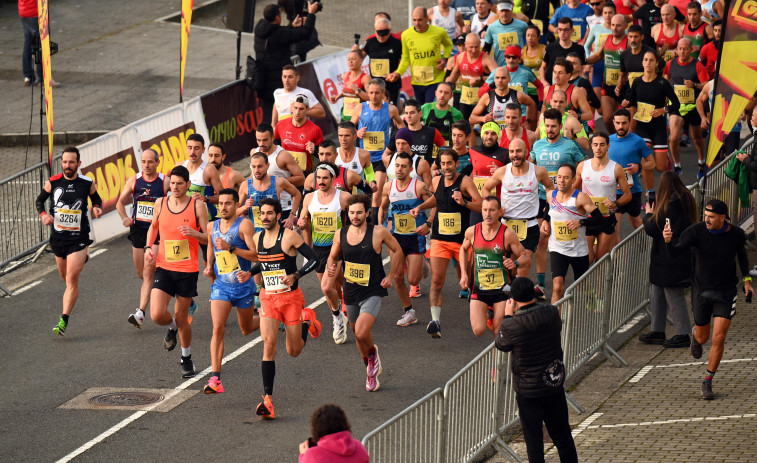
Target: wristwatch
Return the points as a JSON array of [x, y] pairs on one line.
[[232, 248], [517, 264]]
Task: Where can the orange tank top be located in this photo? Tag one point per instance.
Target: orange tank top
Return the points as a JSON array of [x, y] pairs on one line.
[[226, 179], [177, 252]]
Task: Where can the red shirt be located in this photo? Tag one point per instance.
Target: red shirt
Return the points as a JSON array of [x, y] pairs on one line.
[[27, 8], [708, 55], [294, 139]]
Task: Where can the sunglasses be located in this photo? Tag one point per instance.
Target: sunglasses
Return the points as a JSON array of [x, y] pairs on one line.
[[595, 4], [511, 57]]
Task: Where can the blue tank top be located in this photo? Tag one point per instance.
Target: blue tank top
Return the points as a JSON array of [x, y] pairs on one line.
[[143, 199], [227, 265], [379, 126], [258, 196], [401, 201]]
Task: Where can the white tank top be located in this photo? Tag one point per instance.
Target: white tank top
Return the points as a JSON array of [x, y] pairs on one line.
[[571, 243], [391, 175], [476, 23], [445, 22], [520, 195], [196, 178], [274, 169], [600, 185], [353, 165]]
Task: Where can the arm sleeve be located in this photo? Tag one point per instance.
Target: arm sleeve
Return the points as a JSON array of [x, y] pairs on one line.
[[595, 219], [41, 199], [96, 200], [365, 188], [589, 41], [311, 260], [369, 174]]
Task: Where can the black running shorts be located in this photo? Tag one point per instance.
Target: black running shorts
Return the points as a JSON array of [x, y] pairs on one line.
[[181, 284]]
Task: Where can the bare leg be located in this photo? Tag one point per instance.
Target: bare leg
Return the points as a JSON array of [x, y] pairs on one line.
[[719, 330], [478, 317], [181, 311], [74, 263], [219, 312], [363, 332]]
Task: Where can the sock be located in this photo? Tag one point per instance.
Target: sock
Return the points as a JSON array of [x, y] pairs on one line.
[[217, 374], [335, 313], [700, 162], [678, 164], [436, 311], [186, 351], [172, 325], [708, 376], [305, 328], [410, 307], [65, 318], [541, 278], [372, 351], [141, 312], [365, 360], [269, 372]]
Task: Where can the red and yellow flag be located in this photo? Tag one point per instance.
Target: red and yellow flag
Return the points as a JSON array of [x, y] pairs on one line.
[[186, 21], [736, 79], [47, 73]]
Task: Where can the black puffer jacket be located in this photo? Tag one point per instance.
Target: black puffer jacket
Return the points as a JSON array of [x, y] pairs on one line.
[[665, 270], [533, 336], [273, 49]]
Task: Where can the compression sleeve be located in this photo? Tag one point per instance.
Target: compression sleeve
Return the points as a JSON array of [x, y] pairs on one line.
[[43, 195], [364, 187], [487, 47], [255, 269], [595, 219], [96, 200], [370, 176], [311, 262]]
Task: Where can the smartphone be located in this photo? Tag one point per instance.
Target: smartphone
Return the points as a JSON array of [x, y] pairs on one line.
[[667, 222]]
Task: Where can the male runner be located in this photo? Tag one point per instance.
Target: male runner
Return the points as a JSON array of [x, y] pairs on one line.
[[228, 267], [597, 37], [577, 103], [426, 140], [717, 244], [385, 52], [698, 31], [447, 18], [577, 12], [181, 222], [403, 141], [514, 130], [359, 248], [283, 97], [559, 49], [351, 157], [141, 190], [504, 32], [486, 159], [460, 135], [280, 164], [204, 181], [632, 60], [401, 195], [610, 51], [471, 67], [491, 105], [261, 185], [667, 33], [69, 238], [321, 219], [345, 180], [299, 135], [455, 196], [651, 16], [230, 178], [439, 114], [571, 127], [281, 299]]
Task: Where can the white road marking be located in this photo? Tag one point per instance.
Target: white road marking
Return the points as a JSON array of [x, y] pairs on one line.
[[679, 420], [137, 415], [27, 287], [632, 322], [97, 253], [586, 424], [644, 370]]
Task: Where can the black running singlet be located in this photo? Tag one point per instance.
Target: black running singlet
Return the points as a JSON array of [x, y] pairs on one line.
[[363, 269], [276, 264]]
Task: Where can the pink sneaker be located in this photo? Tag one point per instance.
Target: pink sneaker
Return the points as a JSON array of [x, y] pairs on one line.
[[214, 386]]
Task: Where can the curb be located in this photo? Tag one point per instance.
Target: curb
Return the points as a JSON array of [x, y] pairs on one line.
[[59, 138]]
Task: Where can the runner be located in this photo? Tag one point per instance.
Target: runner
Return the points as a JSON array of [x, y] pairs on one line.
[[401, 194], [355, 81], [203, 177], [299, 135], [577, 12], [470, 67], [420, 169], [365, 283], [577, 104], [460, 135], [426, 140], [520, 199], [182, 229], [504, 32], [455, 196], [283, 97], [448, 19], [281, 299], [667, 34], [141, 190], [69, 238], [384, 51], [570, 127], [650, 15], [479, 22], [559, 49], [486, 159], [717, 244], [320, 220], [579, 80], [491, 106], [513, 130], [230, 178], [496, 253], [610, 51], [280, 164], [228, 267], [345, 180], [598, 34], [632, 60], [261, 185], [601, 178], [698, 31], [439, 114], [709, 53], [565, 224]]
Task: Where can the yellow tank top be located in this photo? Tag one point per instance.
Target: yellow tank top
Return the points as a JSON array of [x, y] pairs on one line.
[[533, 63]]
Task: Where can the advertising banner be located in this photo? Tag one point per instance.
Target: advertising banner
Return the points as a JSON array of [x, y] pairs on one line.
[[232, 113], [186, 22], [47, 73]]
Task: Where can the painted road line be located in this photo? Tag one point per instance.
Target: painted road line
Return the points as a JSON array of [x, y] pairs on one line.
[[632, 322], [137, 415], [644, 370], [27, 287], [672, 421], [586, 424], [97, 253]]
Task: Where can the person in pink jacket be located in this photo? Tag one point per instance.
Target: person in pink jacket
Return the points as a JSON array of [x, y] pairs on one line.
[[331, 441]]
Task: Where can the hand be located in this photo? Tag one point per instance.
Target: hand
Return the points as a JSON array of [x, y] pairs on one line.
[[492, 168], [221, 244], [489, 117], [617, 90], [689, 83], [149, 255], [244, 277], [289, 222], [302, 222], [423, 230], [545, 228], [97, 212], [393, 77], [567, 133], [312, 7], [199, 197], [333, 99], [741, 156], [331, 270], [304, 446], [288, 280], [608, 202], [458, 197], [573, 113], [127, 222], [354, 88], [361, 132], [387, 282], [648, 208], [510, 264], [463, 279], [47, 219], [466, 29], [208, 272], [625, 103], [658, 112], [573, 224], [249, 203], [510, 307], [748, 287], [297, 21], [186, 230], [310, 147], [632, 168], [667, 233], [413, 212], [441, 63], [705, 123], [374, 186]]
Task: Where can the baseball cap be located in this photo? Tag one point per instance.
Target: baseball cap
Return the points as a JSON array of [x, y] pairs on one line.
[[718, 207], [522, 290], [505, 6]]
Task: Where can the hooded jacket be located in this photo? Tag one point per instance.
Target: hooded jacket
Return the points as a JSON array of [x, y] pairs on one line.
[[533, 337], [664, 269], [339, 447]]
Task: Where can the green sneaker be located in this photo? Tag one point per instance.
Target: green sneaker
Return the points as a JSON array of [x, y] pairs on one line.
[[61, 328]]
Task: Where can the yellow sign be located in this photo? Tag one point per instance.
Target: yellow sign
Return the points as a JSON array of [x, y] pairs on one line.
[[301, 158], [490, 279], [669, 55], [47, 73], [325, 223], [176, 250], [449, 223], [685, 94], [506, 39], [145, 211], [404, 224], [379, 67], [373, 141], [519, 227], [186, 21], [576, 34], [469, 95], [563, 232], [272, 280], [643, 112], [358, 274], [480, 182], [226, 262], [350, 104], [255, 211], [423, 74]]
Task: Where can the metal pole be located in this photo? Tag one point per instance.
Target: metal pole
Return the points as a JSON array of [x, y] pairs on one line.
[[410, 8], [239, 51]]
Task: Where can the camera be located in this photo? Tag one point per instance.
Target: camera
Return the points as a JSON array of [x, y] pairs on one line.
[[460, 41], [320, 5]]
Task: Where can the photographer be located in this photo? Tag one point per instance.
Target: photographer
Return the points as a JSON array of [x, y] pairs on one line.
[[331, 441], [293, 9]]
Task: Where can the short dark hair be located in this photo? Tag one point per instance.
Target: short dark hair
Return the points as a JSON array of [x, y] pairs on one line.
[[623, 112], [414, 103], [448, 84], [717, 22], [406, 156], [258, 154], [271, 202], [328, 419], [290, 67], [384, 14], [564, 63], [180, 171], [264, 127], [196, 137], [73, 149], [327, 144], [514, 107], [565, 20], [347, 125], [610, 5], [219, 146], [494, 198], [553, 115], [531, 26], [601, 134], [570, 166], [449, 152], [635, 28], [270, 12], [461, 125], [365, 200], [696, 5], [230, 191]]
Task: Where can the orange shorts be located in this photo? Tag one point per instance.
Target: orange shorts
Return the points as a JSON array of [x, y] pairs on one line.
[[284, 307], [445, 249]]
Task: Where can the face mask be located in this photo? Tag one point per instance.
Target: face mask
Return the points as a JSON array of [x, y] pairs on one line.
[[383, 32]]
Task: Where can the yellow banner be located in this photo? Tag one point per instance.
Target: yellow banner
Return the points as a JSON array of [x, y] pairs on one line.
[[47, 74], [186, 21]]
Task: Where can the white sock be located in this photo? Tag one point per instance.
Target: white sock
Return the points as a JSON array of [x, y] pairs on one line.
[[172, 325], [186, 351], [678, 164], [140, 312], [436, 312]]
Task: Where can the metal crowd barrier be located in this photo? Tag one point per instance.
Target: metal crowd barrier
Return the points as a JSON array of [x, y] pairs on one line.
[[716, 185]]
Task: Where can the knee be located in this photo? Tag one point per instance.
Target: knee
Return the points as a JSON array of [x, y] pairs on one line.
[[361, 334], [436, 283], [219, 331], [479, 331], [293, 351], [718, 339]]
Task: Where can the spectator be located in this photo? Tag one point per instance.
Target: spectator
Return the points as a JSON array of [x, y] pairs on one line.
[[27, 9], [709, 54], [331, 441], [531, 331], [293, 9], [668, 276], [273, 47]]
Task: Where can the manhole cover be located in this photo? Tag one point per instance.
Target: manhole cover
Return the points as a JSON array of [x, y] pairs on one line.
[[127, 399]]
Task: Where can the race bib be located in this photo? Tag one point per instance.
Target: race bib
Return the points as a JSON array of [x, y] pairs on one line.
[[324, 223], [685, 94], [602, 40], [519, 227], [67, 220], [669, 55], [255, 211], [226, 262], [449, 223], [301, 158], [538, 23], [423, 74], [145, 210], [176, 250], [374, 141], [404, 224], [502, 124], [469, 95], [272, 280], [643, 112], [629, 178], [491, 278], [479, 182], [284, 116], [563, 232], [379, 67], [612, 76], [553, 177], [506, 39], [576, 34], [598, 200], [350, 103], [358, 274], [516, 87], [632, 76], [466, 22]]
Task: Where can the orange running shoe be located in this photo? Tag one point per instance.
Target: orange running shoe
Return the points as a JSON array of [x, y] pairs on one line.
[[265, 408], [308, 315], [214, 386]]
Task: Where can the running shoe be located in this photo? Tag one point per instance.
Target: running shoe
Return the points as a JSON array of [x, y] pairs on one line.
[[192, 310], [408, 318], [214, 386], [678, 170], [61, 327], [265, 408], [696, 348], [169, 342], [685, 141], [490, 319], [701, 171], [464, 294], [539, 292], [340, 331], [137, 318], [314, 329], [373, 370], [434, 328], [415, 291], [653, 337], [707, 393], [187, 367]]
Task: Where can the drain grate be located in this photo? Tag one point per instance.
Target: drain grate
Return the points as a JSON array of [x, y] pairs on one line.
[[127, 399]]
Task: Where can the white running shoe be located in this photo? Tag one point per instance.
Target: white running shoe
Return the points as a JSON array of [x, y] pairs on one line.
[[340, 331], [408, 318], [137, 318]]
